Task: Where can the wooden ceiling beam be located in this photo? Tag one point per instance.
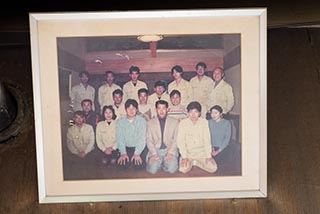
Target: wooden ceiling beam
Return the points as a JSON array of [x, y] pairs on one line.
[[152, 64]]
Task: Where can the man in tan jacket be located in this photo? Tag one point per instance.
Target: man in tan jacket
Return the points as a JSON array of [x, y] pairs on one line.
[[161, 141]]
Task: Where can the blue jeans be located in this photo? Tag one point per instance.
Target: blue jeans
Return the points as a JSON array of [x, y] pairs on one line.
[[168, 166]]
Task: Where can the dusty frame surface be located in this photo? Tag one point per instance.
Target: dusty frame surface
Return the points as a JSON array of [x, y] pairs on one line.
[[250, 23]]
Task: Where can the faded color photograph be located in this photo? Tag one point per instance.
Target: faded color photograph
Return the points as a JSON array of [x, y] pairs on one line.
[[154, 106]]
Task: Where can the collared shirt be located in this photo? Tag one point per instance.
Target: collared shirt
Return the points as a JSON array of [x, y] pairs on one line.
[[79, 93], [131, 134], [153, 98], [147, 111], [130, 91], [119, 111], [194, 139], [106, 135], [221, 94], [80, 139], [105, 94], [184, 88], [201, 89]]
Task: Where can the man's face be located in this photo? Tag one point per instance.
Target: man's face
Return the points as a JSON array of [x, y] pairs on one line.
[[134, 76], [175, 99], [109, 78], [131, 111], [161, 110], [84, 78], [143, 98], [79, 120], [217, 75], [194, 115], [117, 98], [86, 107], [159, 90], [201, 70], [176, 74]]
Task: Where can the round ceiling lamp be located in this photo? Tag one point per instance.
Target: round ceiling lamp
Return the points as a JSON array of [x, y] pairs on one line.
[[150, 38]]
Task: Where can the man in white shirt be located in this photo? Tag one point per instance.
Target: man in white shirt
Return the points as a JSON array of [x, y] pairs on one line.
[[131, 88], [105, 91], [201, 86], [180, 84], [82, 91], [221, 93], [159, 89], [118, 104], [194, 142], [80, 137], [145, 109]]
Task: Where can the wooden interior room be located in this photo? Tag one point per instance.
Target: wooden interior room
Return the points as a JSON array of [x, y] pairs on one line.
[[155, 60], [293, 110]]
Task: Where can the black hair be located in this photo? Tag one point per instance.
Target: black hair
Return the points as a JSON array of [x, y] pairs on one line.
[[110, 72], [143, 90], [80, 113], [201, 64], [162, 102], [81, 73], [217, 107], [134, 69], [86, 100], [117, 91], [194, 105], [177, 68], [130, 102], [173, 92], [114, 116], [160, 83]]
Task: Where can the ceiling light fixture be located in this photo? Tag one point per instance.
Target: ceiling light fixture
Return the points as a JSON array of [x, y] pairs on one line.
[[150, 38]]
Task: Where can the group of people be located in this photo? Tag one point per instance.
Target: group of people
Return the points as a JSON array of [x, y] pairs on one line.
[[157, 131]]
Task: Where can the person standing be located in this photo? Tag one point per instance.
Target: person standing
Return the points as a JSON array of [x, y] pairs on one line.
[[161, 141], [221, 93], [105, 91], [131, 88], [201, 86], [159, 89], [82, 91], [181, 85]]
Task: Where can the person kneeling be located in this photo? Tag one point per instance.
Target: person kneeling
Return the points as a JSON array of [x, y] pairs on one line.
[[194, 142], [131, 137], [161, 141]]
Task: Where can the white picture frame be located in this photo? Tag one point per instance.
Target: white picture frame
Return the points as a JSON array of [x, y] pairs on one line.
[[45, 28]]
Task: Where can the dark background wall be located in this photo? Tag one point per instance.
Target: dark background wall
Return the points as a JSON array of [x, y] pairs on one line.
[[293, 115]]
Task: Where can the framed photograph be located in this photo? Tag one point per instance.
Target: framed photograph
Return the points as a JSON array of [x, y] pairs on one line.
[[214, 58]]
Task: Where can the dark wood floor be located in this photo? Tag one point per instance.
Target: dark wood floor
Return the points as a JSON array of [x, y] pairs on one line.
[[94, 168], [293, 141]]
